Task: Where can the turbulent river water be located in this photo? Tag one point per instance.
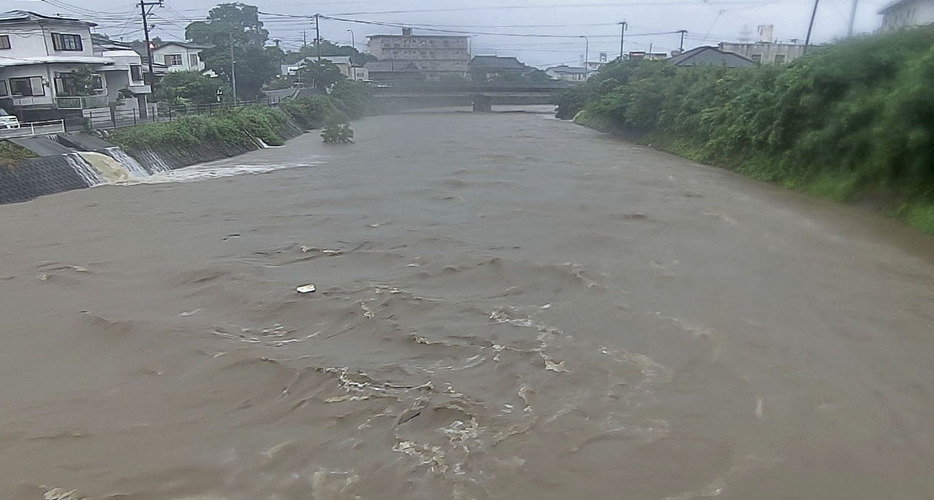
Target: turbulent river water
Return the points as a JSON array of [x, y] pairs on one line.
[[507, 307]]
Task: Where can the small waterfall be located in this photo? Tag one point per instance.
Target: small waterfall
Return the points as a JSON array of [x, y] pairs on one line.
[[90, 175], [111, 170], [154, 161], [132, 166]]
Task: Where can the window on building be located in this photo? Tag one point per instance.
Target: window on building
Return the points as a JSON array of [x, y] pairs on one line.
[[66, 85], [757, 58], [193, 60], [3, 90], [136, 72], [66, 42], [779, 58], [173, 59], [28, 86], [4, 41]]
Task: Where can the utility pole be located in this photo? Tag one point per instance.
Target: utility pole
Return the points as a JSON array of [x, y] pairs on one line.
[[152, 76], [353, 45], [233, 71], [807, 41], [683, 32], [318, 35], [304, 39], [849, 32], [622, 38]]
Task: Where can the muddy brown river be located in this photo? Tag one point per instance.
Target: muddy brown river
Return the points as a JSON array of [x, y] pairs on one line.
[[507, 307]]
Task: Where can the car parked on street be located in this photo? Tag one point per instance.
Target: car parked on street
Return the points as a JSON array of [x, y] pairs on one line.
[[7, 120]]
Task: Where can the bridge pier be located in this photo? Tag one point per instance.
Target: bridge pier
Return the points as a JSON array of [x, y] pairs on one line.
[[482, 103]]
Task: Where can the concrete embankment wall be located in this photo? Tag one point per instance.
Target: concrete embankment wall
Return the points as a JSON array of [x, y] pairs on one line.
[[54, 174], [37, 177]]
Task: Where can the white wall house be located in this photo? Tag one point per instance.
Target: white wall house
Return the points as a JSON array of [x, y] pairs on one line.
[[180, 56], [907, 13], [343, 63], [38, 57], [567, 73]]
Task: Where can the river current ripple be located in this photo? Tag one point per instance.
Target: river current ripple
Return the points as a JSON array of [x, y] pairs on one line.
[[506, 306]]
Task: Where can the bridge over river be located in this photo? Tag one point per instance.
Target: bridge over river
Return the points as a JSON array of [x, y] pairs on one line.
[[460, 95]]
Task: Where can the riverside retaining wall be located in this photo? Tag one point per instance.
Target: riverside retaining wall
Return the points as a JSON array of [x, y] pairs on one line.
[[53, 174], [37, 177]]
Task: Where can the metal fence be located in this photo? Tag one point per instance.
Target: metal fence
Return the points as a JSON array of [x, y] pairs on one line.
[[127, 117], [33, 129]]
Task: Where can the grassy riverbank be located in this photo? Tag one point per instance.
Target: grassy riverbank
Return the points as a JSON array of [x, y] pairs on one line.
[[241, 127], [852, 122], [11, 154]]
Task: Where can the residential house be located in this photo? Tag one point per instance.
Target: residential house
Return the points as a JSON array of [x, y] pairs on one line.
[[711, 56], [180, 56], [391, 72], [39, 58], [437, 57], [765, 52], [907, 13], [125, 73], [488, 68], [343, 63], [567, 73]]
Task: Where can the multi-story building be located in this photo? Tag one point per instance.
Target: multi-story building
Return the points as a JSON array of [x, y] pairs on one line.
[[437, 57], [907, 13], [765, 52], [44, 62], [180, 56]]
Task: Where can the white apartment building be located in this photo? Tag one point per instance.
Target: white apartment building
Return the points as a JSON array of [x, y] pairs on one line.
[[907, 13], [435, 56]]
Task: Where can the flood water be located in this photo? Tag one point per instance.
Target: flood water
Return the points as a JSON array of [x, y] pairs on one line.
[[507, 307]]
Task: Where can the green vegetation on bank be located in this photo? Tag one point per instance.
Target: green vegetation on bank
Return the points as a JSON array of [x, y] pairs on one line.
[[849, 121], [244, 125], [12, 154]]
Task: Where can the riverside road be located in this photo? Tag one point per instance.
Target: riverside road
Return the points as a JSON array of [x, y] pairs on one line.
[[508, 307]]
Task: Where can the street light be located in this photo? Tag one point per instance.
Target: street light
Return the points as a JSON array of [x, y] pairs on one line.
[[352, 42], [586, 57]]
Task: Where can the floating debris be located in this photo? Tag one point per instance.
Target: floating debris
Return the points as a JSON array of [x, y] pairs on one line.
[[309, 288]]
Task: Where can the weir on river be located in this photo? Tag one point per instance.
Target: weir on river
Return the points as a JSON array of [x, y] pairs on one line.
[[113, 167]]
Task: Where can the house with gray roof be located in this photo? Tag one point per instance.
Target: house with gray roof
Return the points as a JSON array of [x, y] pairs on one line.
[[486, 68], [711, 56]]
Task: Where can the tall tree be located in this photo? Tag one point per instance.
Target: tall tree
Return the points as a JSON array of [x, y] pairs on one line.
[[236, 20], [236, 28]]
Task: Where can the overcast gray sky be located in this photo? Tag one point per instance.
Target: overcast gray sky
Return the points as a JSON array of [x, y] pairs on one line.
[[550, 29]]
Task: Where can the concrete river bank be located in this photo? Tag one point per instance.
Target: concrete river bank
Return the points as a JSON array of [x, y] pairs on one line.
[[507, 306]]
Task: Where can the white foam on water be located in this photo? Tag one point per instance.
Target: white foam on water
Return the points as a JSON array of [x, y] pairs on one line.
[[91, 176], [132, 166], [208, 171]]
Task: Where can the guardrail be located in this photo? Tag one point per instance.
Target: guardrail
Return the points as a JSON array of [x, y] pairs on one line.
[[33, 129]]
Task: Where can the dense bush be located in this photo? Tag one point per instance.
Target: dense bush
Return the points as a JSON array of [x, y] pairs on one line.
[[850, 119], [311, 112], [352, 98], [243, 125], [235, 126]]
